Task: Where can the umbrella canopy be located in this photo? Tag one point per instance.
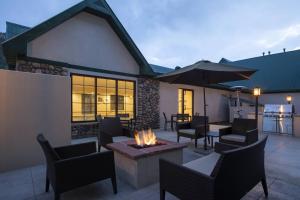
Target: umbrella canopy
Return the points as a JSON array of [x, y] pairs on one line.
[[205, 72]]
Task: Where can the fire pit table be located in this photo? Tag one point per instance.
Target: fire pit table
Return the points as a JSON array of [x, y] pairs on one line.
[[139, 166]]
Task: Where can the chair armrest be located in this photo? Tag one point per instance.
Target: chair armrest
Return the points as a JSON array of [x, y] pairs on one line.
[[184, 182], [183, 125], [221, 147], [76, 150], [84, 168], [225, 131]]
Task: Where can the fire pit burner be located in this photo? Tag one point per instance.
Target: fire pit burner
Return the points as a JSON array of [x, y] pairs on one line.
[[146, 146]]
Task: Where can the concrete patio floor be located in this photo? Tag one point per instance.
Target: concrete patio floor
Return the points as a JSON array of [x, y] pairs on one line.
[[282, 168]]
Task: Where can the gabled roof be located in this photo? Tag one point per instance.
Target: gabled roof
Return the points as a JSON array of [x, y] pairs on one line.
[[17, 46], [276, 72], [160, 69], [13, 29]]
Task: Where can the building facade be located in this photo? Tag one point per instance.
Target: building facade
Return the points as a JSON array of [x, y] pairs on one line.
[[109, 75]]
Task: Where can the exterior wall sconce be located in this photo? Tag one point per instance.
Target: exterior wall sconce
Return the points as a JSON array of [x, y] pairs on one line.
[[289, 99]]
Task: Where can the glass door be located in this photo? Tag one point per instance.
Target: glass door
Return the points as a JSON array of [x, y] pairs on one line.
[[186, 101]]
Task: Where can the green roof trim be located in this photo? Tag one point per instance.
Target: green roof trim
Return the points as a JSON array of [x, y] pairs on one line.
[[17, 46]]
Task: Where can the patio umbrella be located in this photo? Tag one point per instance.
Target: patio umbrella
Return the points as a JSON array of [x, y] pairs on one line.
[[204, 73]]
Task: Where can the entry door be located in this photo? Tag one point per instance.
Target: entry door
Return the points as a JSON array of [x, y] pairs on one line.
[[185, 101]]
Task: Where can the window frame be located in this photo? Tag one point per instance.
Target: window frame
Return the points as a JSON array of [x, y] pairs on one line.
[[96, 96]]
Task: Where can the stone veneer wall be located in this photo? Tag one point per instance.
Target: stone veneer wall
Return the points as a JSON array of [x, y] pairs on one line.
[[147, 103], [34, 67]]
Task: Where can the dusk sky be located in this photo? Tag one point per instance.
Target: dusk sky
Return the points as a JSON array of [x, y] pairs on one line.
[[180, 32]]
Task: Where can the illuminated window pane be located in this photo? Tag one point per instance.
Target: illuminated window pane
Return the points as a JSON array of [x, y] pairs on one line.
[[89, 81], [83, 98], [121, 84], [129, 85], [111, 83], [77, 80]]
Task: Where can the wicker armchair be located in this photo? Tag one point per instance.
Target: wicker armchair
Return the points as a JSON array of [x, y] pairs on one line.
[[111, 130], [73, 166], [194, 129], [243, 132], [229, 173]]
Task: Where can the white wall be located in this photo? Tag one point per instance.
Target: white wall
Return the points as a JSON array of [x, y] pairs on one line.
[[31, 104], [217, 109], [84, 40]]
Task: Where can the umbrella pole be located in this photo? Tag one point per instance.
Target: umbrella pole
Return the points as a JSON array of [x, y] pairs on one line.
[[205, 123]]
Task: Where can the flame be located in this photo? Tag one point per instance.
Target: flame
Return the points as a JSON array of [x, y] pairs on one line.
[[145, 137]]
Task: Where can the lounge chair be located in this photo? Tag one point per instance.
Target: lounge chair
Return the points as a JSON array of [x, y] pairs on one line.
[[73, 166], [243, 132], [229, 173], [194, 129]]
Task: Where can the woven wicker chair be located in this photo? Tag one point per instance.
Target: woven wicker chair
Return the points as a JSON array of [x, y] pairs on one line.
[[194, 129], [229, 173], [243, 132], [73, 166]]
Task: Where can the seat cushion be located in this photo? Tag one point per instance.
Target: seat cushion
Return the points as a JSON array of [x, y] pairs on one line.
[[234, 138], [187, 131], [205, 164], [121, 139]]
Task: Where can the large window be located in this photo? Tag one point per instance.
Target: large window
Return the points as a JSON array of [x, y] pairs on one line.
[[93, 96]]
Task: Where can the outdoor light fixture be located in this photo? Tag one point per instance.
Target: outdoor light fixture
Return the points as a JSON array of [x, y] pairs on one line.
[[289, 99], [256, 93]]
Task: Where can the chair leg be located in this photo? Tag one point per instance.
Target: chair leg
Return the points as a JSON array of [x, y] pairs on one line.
[[56, 196], [162, 194], [178, 138], [47, 184], [196, 143], [114, 184], [265, 186], [165, 127]]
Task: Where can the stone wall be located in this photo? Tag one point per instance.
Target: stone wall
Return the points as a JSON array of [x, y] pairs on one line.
[[34, 67], [147, 103]]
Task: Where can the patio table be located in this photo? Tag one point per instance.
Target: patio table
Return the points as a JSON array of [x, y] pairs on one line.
[[214, 132]]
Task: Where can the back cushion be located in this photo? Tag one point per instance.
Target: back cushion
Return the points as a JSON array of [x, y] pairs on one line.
[[112, 126], [243, 125], [198, 120]]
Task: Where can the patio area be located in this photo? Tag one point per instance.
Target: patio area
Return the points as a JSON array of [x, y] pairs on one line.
[[282, 168]]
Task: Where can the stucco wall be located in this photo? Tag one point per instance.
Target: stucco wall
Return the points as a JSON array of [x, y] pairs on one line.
[[31, 104], [84, 40], [217, 108]]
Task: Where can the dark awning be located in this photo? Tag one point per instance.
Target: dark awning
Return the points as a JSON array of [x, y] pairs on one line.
[[204, 73]]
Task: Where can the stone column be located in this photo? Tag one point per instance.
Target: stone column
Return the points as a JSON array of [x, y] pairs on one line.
[[147, 103]]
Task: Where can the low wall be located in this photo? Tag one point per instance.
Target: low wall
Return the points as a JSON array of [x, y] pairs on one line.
[[30, 104]]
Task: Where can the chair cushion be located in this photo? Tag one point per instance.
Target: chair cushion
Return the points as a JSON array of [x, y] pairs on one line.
[[234, 137], [205, 164], [121, 139], [187, 131]]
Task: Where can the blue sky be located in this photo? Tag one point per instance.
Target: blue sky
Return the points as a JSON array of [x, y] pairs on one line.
[[181, 32]]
